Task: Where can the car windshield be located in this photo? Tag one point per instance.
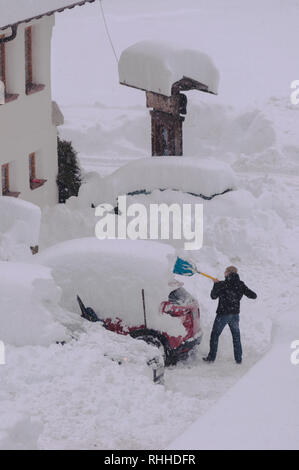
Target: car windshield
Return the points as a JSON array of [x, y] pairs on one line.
[[180, 297]]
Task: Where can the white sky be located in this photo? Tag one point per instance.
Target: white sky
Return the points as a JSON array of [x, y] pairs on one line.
[[254, 44]]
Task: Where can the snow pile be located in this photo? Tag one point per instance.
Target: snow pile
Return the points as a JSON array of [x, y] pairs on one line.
[[85, 400], [29, 310], [76, 218], [109, 276], [18, 431], [155, 66], [67, 221], [268, 421], [90, 186], [19, 10], [19, 227]]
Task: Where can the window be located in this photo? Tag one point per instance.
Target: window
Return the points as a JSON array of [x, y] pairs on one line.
[[28, 58], [3, 76], [33, 180], [5, 178], [32, 167], [2, 62], [31, 86]]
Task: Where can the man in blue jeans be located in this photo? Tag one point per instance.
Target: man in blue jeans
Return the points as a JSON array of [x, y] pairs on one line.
[[229, 292]]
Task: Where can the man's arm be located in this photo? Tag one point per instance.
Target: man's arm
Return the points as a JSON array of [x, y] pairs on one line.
[[215, 292], [249, 293]]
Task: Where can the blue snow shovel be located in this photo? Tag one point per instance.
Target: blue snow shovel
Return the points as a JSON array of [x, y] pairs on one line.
[[184, 268]]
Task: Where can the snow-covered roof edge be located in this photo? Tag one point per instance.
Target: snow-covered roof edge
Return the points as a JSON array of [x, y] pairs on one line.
[[44, 11]]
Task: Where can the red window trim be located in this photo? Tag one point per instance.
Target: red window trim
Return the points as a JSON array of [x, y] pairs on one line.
[[8, 96], [3, 61], [32, 167], [33, 180], [7, 192], [5, 178], [31, 86], [28, 57]]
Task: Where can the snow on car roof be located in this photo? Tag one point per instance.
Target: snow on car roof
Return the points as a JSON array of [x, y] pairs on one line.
[[109, 276], [18, 11], [144, 250], [155, 66]]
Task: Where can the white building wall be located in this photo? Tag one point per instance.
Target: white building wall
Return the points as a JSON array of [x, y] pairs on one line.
[[26, 123]]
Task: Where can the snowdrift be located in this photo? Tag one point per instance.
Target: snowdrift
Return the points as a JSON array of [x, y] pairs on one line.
[[19, 227], [109, 276], [18, 431], [157, 65], [29, 309], [85, 400], [269, 421]]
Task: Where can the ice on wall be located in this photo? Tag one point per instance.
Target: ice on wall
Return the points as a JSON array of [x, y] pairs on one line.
[[157, 65]]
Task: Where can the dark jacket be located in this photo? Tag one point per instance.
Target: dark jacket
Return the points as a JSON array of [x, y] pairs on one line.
[[230, 292]]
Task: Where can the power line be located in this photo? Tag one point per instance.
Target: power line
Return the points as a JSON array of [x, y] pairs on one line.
[[107, 31]]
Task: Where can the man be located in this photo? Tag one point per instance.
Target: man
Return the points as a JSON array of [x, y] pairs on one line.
[[230, 292]]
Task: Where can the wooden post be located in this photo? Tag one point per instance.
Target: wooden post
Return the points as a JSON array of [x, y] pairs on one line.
[[144, 311], [167, 123]]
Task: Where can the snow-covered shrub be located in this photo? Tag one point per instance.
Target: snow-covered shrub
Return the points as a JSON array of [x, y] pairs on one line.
[[69, 172]]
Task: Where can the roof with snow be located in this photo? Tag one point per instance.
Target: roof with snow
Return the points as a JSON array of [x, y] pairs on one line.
[[159, 66], [22, 11]]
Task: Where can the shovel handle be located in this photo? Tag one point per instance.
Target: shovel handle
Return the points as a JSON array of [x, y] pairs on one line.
[[207, 275]]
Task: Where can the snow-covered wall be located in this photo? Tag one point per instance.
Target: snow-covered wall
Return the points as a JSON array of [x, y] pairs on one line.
[[26, 123]]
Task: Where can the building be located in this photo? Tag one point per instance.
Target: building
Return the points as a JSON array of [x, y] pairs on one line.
[[28, 117]]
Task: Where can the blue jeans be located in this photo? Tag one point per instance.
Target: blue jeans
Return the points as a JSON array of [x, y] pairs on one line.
[[219, 324]]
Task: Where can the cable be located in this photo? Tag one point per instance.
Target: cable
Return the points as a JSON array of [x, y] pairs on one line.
[[107, 31]]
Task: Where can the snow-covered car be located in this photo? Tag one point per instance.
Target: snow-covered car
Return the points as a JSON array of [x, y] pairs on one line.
[[201, 177], [131, 287]]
